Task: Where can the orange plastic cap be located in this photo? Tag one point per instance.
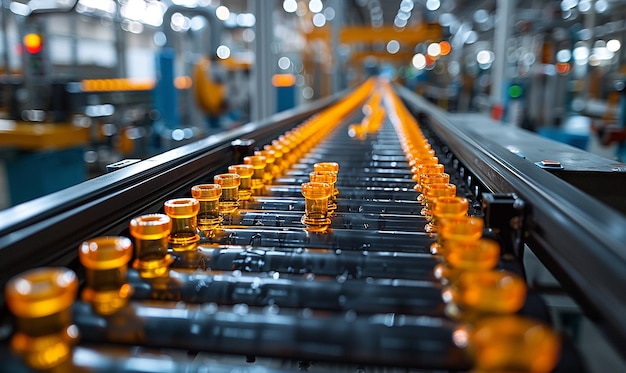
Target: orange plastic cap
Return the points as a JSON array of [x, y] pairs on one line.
[[243, 170], [420, 169], [323, 177], [439, 190], [427, 160], [417, 158], [207, 192], [41, 292], [277, 148], [326, 166], [515, 344], [257, 161], [105, 252], [227, 180], [151, 226], [182, 208], [482, 254], [316, 190], [498, 292], [269, 155], [434, 178], [450, 207], [466, 228]]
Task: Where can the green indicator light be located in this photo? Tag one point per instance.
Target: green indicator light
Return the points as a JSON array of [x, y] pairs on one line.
[[515, 91]]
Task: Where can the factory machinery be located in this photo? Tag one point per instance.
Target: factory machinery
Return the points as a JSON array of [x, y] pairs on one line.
[[364, 232]]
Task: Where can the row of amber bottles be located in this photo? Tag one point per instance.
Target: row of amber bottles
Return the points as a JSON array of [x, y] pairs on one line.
[[41, 298], [374, 116], [483, 299], [321, 193]]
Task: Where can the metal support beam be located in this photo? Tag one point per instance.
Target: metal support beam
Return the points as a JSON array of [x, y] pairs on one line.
[[4, 13], [338, 80], [120, 44], [264, 96], [504, 13], [589, 23]]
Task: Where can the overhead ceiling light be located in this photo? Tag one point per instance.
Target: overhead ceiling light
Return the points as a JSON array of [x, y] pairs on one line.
[[223, 52], [284, 63], [400, 22], [133, 10], [434, 50], [485, 57], [316, 6], [403, 16], [187, 3], [153, 15], [329, 13], [433, 5], [406, 5], [198, 23], [290, 6], [222, 13], [581, 55], [419, 61], [393, 46], [179, 22], [246, 20], [613, 45], [319, 20], [564, 55]]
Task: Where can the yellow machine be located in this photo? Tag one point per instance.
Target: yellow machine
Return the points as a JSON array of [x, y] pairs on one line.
[[208, 89]]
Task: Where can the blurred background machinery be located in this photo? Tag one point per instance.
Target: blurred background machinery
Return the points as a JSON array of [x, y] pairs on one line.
[[128, 79]]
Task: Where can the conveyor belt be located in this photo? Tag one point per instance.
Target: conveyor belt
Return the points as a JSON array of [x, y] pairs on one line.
[[262, 288]]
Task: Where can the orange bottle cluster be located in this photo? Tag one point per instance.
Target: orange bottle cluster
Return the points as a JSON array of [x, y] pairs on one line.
[[483, 299]]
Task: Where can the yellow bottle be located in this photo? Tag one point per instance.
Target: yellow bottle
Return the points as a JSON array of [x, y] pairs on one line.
[[447, 208], [329, 167], [425, 168], [245, 172], [462, 256], [229, 201], [151, 233], [258, 163], [208, 197], [106, 266], [270, 171], [41, 301], [434, 191], [476, 294], [328, 177], [184, 214], [510, 343], [316, 197]]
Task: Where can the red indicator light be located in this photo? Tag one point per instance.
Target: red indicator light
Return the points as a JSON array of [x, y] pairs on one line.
[[32, 43]]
